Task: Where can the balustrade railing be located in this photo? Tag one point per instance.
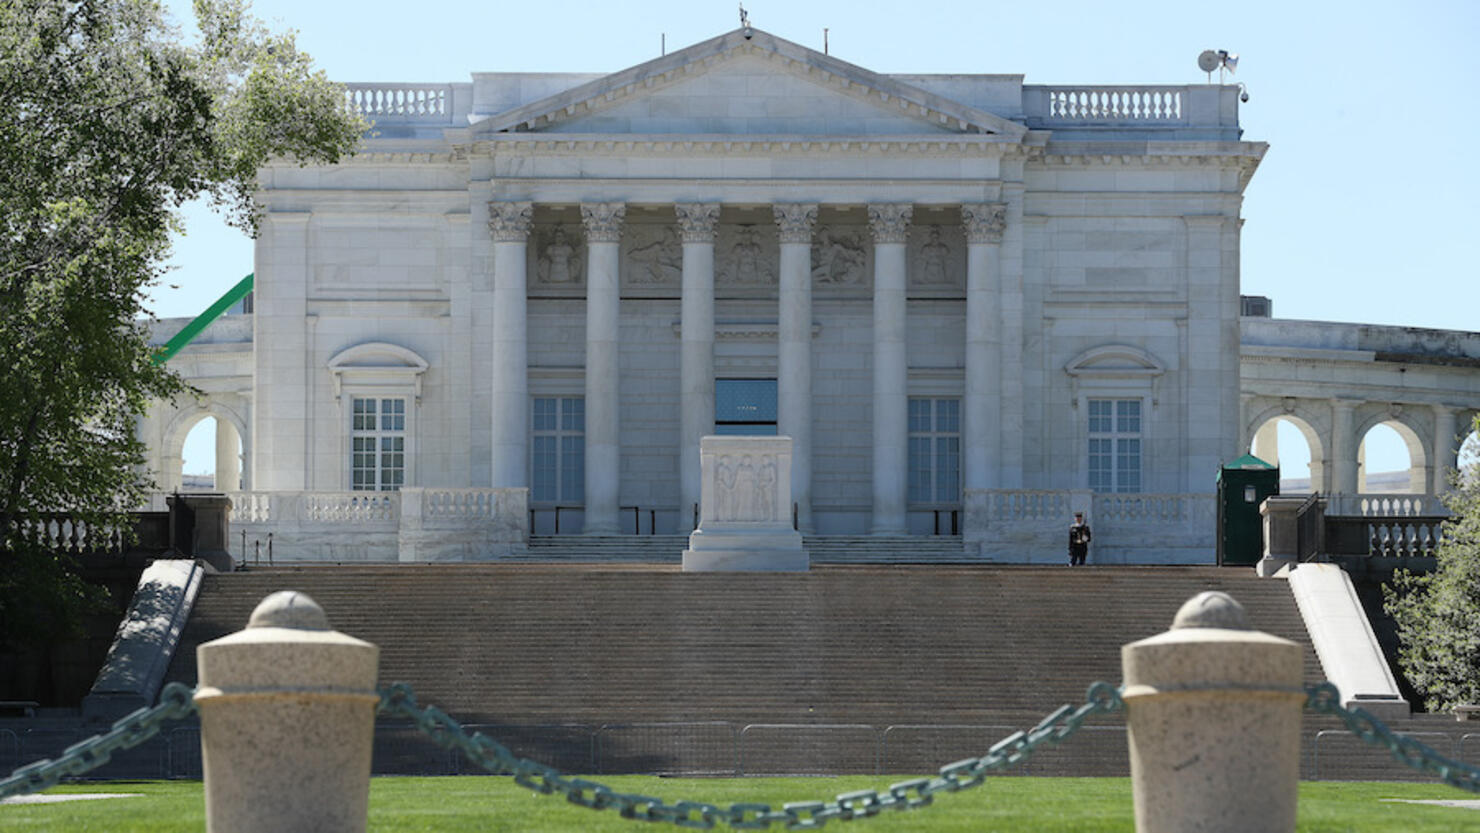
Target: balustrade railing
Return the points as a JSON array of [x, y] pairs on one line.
[[63, 533], [351, 506], [1383, 505], [1116, 104], [250, 507], [1023, 505], [1154, 508], [402, 102], [460, 503], [1404, 537]]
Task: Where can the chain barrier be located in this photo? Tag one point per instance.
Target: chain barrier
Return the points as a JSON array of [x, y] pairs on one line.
[[1326, 699], [399, 699], [176, 701]]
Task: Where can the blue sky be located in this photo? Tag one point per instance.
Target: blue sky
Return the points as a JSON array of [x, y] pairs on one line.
[[1363, 210]]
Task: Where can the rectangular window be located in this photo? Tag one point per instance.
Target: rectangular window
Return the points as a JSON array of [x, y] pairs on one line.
[[558, 451], [935, 451], [1115, 445], [745, 407], [377, 444]]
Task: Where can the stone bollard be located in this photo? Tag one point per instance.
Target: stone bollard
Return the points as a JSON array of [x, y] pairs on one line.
[[1213, 711], [287, 716]]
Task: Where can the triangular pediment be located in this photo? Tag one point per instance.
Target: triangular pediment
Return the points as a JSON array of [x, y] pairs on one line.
[[752, 83]]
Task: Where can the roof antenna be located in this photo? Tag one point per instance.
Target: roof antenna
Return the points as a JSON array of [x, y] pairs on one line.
[[824, 40], [663, 43], [745, 21]]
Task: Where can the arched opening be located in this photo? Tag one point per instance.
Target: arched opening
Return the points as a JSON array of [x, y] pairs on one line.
[[210, 457], [1386, 461], [1290, 443], [1469, 456]]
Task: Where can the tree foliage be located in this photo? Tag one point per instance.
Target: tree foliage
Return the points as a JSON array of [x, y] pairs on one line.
[[109, 122], [1438, 614]]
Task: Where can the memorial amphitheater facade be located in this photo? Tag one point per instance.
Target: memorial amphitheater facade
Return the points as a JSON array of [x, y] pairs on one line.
[[973, 304]]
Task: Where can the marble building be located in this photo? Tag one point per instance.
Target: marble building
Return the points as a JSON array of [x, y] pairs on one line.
[[973, 304]]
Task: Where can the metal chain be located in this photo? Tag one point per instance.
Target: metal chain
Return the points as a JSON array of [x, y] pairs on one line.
[[176, 701], [1326, 699], [399, 699]]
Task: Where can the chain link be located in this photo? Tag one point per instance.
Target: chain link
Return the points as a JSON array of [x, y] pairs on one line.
[[1326, 699], [399, 699], [176, 701]]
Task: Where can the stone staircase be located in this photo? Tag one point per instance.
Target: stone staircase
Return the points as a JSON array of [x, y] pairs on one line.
[[668, 549], [630, 667]]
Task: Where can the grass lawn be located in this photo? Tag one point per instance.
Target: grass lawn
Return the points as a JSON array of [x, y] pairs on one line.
[[483, 804]]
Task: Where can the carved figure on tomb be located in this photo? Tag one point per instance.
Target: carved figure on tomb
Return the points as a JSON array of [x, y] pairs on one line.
[[656, 255], [838, 258], [558, 263]]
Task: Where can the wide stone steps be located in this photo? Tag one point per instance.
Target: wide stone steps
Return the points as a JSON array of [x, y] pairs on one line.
[[668, 549], [625, 646]]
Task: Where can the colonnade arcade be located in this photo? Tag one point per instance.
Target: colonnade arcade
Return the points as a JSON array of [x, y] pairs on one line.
[[697, 225], [1334, 430]]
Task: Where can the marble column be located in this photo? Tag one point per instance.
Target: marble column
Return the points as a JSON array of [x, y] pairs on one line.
[[509, 224], [603, 223], [1266, 445], [794, 349], [1343, 466], [982, 425], [889, 224], [228, 457], [696, 225], [1446, 448]]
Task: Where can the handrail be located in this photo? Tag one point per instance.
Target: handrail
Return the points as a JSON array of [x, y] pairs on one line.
[[205, 319]]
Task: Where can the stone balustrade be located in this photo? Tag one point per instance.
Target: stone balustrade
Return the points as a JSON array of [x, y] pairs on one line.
[[1384, 505], [400, 102], [1116, 104]]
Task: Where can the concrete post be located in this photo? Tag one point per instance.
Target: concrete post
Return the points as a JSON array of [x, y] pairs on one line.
[[1281, 534], [1213, 712], [287, 716]]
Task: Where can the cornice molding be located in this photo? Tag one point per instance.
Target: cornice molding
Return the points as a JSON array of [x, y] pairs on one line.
[[975, 145]]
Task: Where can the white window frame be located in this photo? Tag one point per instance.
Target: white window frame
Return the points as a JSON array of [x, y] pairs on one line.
[[381, 409], [1117, 434], [1114, 372], [377, 370], [933, 434], [560, 433]]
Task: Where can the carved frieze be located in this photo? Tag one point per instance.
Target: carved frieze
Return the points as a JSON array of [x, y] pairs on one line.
[[653, 254], [560, 255], [840, 256], [745, 255]]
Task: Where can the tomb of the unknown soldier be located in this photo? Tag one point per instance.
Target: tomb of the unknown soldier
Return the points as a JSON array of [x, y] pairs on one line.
[[727, 415]]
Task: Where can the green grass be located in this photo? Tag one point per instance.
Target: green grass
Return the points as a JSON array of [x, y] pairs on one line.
[[487, 804]]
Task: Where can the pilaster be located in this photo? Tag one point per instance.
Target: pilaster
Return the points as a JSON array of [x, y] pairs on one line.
[[982, 417], [1343, 463]]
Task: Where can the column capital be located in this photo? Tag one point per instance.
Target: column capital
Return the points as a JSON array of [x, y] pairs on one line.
[[697, 221], [509, 221], [603, 221], [890, 222], [795, 220], [984, 221]]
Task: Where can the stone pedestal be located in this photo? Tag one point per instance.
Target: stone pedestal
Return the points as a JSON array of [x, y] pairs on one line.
[[287, 716], [1213, 714], [745, 509], [1281, 534]]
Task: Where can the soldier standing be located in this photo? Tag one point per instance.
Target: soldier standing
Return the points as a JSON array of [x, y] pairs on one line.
[[1079, 537]]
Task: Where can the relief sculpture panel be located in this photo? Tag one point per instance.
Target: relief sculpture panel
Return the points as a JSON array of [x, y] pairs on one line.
[[653, 255], [840, 257], [937, 257], [560, 255], [745, 488], [745, 256]]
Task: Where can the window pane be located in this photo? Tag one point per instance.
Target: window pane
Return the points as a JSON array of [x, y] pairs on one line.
[[919, 470], [948, 416], [544, 479], [1128, 416], [573, 414], [572, 469], [544, 415], [745, 400], [947, 469], [919, 415]]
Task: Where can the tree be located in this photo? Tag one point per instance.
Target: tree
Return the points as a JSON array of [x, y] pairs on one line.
[[109, 121], [1438, 614]]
